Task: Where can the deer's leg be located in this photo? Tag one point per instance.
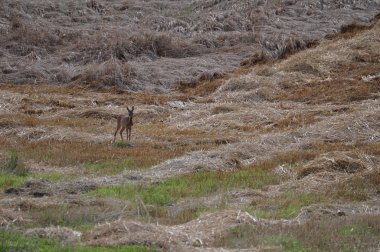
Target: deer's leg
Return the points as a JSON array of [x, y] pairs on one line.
[[121, 133], [129, 134], [114, 136], [127, 130], [117, 129]]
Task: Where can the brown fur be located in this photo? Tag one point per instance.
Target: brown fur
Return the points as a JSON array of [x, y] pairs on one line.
[[125, 123]]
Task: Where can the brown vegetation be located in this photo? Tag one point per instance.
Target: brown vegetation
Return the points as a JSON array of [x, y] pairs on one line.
[[134, 46], [304, 129]]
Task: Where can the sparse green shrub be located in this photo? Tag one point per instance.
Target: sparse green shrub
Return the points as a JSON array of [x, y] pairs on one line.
[[12, 171], [121, 144], [13, 165]]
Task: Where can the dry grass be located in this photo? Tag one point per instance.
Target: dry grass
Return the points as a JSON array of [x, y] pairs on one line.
[[308, 123], [143, 153], [351, 233], [357, 188], [334, 91], [110, 73], [62, 42]]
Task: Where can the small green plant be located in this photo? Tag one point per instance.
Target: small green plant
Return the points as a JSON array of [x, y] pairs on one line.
[[12, 172], [120, 144]]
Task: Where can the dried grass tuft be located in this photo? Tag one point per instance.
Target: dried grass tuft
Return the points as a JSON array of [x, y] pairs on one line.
[[346, 162], [63, 234], [108, 74]]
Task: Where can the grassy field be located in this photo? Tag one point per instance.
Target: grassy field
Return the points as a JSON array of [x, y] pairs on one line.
[[273, 156]]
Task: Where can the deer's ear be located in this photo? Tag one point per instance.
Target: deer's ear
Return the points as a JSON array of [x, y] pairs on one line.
[[133, 108], [128, 109]]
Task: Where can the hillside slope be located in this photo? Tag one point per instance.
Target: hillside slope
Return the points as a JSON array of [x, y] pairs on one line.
[[156, 45]]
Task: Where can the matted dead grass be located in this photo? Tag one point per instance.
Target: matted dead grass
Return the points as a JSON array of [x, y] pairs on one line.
[[136, 47], [311, 119]]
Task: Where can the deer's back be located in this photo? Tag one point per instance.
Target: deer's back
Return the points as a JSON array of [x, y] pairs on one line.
[[124, 120]]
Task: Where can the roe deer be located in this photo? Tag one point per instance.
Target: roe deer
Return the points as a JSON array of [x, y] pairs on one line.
[[124, 122]]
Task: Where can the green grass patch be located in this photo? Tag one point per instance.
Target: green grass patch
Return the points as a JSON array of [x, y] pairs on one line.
[[355, 230], [121, 144], [12, 241], [51, 176], [287, 205], [287, 243], [192, 185], [10, 180], [12, 171]]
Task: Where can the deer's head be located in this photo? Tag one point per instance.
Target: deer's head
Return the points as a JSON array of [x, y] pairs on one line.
[[130, 112]]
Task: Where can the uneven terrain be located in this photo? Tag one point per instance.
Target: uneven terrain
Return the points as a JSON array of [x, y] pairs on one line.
[[273, 155]]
